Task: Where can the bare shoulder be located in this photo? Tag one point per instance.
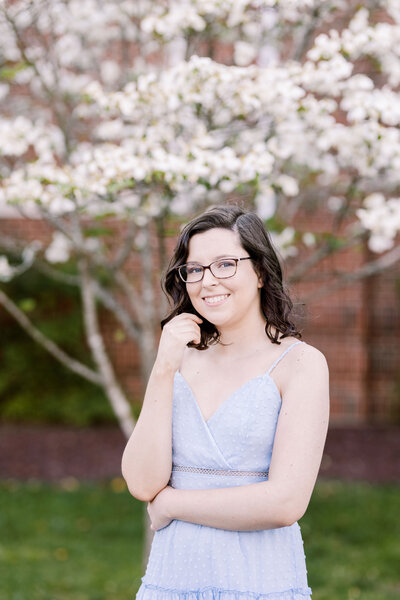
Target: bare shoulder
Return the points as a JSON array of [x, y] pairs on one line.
[[302, 378], [310, 356], [302, 363]]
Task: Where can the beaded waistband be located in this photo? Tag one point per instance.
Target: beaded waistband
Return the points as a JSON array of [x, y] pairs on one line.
[[228, 472]]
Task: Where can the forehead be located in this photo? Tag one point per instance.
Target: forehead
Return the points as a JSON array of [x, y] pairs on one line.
[[209, 245]]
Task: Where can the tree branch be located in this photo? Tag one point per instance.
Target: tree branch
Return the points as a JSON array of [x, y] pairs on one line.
[[50, 346], [119, 311], [48, 91], [126, 247], [57, 275], [322, 252], [105, 297], [306, 36], [95, 340], [131, 293], [372, 268]]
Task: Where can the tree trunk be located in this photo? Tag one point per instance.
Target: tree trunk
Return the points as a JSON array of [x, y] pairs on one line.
[[119, 403]]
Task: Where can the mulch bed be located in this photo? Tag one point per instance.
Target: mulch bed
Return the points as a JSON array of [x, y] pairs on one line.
[[52, 453]]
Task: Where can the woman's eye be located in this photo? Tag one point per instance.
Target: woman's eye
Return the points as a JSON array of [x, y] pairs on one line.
[[194, 269], [225, 264]]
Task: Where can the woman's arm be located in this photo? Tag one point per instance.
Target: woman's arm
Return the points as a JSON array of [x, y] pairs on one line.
[[296, 458], [147, 458]]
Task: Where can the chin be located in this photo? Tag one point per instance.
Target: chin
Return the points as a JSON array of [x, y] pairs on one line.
[[216, 320], [214, 316]]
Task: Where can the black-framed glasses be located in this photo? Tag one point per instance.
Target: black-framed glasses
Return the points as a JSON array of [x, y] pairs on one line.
[[221, 269]]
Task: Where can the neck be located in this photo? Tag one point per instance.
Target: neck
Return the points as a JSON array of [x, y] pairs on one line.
[[243, 338]]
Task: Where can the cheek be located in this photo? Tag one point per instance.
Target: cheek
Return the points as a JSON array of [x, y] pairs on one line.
[[193, 295]]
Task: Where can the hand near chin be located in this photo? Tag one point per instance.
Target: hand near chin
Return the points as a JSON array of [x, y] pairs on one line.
[[176, 335], [159, 508]]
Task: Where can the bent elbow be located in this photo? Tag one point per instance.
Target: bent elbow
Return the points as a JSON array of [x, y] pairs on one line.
[[290, 513], [287, 521], [141, 495], [142, 492], [135, 490]]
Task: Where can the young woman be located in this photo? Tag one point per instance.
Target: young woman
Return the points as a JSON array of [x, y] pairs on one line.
[[229, 441]]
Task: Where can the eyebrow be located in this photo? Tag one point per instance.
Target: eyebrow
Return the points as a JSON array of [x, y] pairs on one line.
[[216, 258]]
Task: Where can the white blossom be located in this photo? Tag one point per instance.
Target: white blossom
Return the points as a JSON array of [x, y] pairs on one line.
[[265, 202], [309, 239], [59, 250], [288, 184], [335, 203], [187, 129], [284, 242], [382, 218], [110, 71], [6, 270], [244, 53]]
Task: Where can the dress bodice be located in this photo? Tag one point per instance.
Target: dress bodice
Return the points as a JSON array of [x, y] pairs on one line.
[[239, 435]]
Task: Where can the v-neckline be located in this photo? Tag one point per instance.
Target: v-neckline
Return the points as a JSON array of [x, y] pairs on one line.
[[206, 422]]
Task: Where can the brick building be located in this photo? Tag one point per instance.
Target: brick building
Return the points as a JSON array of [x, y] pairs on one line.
[[357, 327]]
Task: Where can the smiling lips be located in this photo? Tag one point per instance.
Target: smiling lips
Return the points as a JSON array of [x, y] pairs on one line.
[[215, 300]]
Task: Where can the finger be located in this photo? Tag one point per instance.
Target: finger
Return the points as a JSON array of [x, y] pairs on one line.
[[193, 317], [192, 333], [194, 340], [185, 330], [197, 337], [190, 330]]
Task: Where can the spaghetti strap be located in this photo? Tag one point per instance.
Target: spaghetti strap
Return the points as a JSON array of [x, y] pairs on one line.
[[282, 355]]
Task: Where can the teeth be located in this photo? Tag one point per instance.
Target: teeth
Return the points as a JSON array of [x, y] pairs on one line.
[[214, 299]]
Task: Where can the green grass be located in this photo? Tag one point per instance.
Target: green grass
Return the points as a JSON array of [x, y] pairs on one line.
[[76, 541], [351, 538], [69, 542]]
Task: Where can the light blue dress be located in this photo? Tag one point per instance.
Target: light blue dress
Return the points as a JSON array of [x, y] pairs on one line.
[[194, 562]]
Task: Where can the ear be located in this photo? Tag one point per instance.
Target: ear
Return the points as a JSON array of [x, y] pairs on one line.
[[260, 282], [257, 271]]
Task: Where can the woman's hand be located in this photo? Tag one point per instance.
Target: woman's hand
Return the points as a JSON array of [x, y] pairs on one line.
[[160, 508], [175, 336]]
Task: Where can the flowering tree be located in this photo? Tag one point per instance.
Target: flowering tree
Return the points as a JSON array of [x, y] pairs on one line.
[[133, 112]]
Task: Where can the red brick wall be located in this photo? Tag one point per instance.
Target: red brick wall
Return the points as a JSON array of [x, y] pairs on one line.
[[383, 376], [357, 327]]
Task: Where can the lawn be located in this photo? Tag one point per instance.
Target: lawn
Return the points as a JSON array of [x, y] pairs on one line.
[[75, 541]]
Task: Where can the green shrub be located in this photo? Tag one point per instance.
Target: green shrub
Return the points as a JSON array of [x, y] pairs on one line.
[[34, 387]]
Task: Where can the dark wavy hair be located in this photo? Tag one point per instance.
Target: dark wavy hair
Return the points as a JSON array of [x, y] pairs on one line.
[[275, 302]]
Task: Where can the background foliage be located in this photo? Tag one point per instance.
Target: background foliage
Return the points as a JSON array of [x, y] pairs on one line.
[[35, 388]]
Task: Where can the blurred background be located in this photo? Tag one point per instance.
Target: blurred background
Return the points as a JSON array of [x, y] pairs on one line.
[[120, 121]]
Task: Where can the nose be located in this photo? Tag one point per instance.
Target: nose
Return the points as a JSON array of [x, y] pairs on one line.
[[209, 278]]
